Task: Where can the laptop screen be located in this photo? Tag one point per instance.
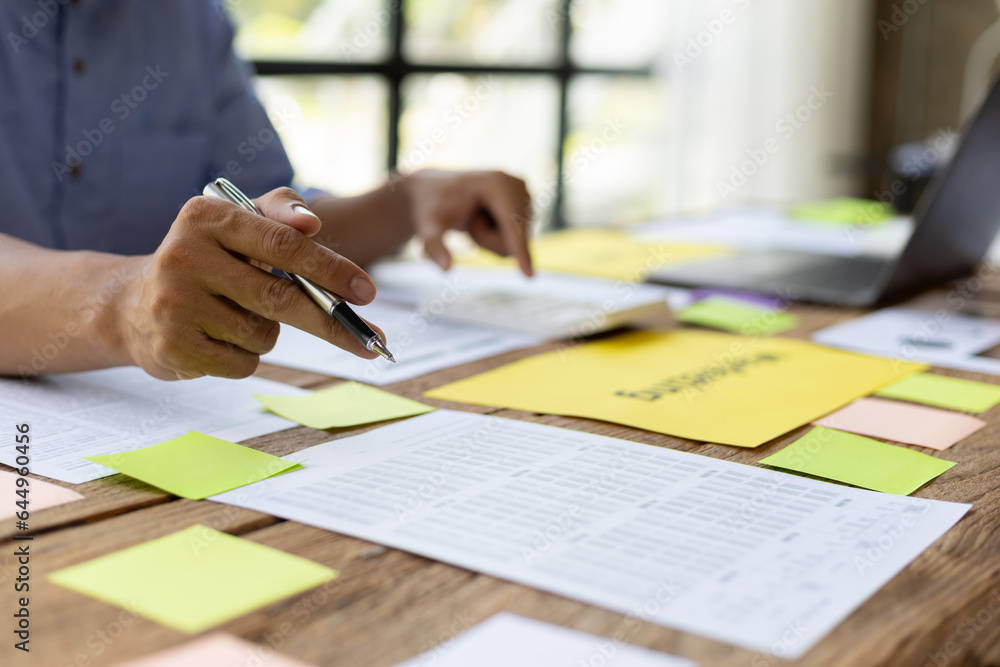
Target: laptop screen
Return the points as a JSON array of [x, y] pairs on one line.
[[959, 214]]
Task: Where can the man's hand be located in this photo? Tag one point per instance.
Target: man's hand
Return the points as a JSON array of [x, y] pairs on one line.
[[493, 207], [197, 306]]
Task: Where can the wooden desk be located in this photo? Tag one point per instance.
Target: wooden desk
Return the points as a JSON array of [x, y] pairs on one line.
[[388, 605]]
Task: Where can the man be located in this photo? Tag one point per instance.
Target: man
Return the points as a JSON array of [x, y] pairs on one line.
[[113, 114]]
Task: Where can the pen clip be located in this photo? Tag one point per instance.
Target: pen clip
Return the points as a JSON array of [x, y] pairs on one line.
[[222, 188]]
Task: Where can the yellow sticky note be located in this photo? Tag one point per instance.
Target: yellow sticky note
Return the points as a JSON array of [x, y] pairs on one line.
[[857, 460], [843, 211], [347, 404], [604, 253], [194, 579], [944, 392], [196, 465], [719, 312], [698, 385]]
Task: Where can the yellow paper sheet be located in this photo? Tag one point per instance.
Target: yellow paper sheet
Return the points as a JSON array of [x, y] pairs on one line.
[[194, 579], [196, 465], [698, 385], [347, 404], [604, 253]]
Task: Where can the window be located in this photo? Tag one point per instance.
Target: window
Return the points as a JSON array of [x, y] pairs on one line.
[[356, 87], [614, 111]]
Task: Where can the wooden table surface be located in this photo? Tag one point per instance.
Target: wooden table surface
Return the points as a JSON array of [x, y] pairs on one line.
[[387, 605]]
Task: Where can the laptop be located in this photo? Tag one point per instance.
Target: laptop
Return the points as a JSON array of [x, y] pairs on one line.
[[955, 222]]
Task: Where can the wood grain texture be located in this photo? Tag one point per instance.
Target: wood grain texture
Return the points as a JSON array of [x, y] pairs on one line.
[[387, 606]]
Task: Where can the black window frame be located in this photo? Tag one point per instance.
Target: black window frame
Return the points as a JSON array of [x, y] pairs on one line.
[[396, 67]]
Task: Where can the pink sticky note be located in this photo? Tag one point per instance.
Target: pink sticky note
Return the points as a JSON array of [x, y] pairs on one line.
[[902, 422], [40, 494], [214, 650]]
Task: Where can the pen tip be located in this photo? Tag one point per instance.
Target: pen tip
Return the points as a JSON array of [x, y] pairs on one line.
[[380, 347]]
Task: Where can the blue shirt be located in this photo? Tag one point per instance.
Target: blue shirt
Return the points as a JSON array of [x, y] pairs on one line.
[[113, 113]]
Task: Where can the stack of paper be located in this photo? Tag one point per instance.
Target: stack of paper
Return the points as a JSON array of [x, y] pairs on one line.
[[936, 337], [420, 340], [120, 409], [736, 553], [548, 304]]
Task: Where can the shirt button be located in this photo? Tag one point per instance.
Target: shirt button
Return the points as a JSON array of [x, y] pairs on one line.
[[78, 65], [74, 171]]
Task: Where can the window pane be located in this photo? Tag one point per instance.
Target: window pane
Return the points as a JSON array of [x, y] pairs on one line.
[[485, 122], [619, 33], [344, 30], [614, 162], [482, 31], [334, 129]]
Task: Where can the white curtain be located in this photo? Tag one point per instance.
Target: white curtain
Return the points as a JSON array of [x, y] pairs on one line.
[[767, 100]]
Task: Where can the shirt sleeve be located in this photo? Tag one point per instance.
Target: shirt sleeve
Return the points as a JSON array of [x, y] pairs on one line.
[[245, 147]]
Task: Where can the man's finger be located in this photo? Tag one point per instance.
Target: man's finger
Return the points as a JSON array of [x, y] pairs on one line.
[[508, 203], [282, 246], [287, 206]]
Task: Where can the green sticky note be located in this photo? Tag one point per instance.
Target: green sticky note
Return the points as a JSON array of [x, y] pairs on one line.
[[857, 460], [194, 579], [843, 211], [719, 312], [196, 465], [347, 404], [944, 392]]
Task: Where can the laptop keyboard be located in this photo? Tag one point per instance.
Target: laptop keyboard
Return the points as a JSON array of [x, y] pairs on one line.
[[841, 273]]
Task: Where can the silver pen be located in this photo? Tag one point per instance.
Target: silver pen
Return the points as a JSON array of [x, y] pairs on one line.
[[332, 304]]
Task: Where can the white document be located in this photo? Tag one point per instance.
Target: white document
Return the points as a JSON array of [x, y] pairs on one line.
[[761, 228], [420, 342], [508, 640], [554, 305], [121, 409], [934, 336], [744, 555]]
